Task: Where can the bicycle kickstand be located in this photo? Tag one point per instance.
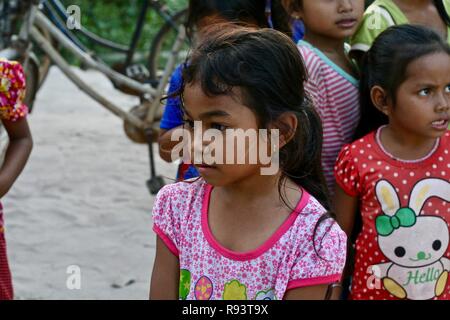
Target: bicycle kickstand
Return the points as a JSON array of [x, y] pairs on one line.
[[155, 183]]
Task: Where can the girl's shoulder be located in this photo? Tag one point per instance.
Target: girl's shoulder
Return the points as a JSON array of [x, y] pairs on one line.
[[177, 206], [311, 55], [322, 241], [359, 146], [313, 218], [183, 192], [353, 159], [7, 63], [11, 70], [12, 91], [379, 16], [321, 68]]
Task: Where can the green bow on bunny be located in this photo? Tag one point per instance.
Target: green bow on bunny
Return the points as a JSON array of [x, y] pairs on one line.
[[404, 217]]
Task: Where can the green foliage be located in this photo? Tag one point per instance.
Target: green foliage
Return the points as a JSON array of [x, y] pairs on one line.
[[115, 20]]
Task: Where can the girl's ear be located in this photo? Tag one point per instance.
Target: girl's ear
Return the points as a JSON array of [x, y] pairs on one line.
[[380, 99], [292, 8], [288, 123]]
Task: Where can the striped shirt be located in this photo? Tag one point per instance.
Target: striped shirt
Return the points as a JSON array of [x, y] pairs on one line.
[[335, 96]]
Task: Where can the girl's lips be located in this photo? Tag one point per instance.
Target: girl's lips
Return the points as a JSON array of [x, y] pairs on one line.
[[440, 124], [346, 23]]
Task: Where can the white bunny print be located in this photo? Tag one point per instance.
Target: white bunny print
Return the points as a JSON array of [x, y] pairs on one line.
[[414, 242]]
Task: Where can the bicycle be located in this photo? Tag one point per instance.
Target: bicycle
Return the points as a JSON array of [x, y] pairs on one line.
[[37, 29], [155, 60]]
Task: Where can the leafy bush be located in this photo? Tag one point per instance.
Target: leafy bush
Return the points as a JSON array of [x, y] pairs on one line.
[[116, 20]]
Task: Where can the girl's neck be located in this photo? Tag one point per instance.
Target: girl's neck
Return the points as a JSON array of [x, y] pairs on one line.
[[406, 145], [332, 48], [250, 189], [325, 44]]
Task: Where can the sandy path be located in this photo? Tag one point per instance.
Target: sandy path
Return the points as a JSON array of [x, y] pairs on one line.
[[82, 200]]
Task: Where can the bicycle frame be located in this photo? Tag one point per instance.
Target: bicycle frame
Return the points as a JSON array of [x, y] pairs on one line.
[[56, 11], [36, 25], [148, 93]]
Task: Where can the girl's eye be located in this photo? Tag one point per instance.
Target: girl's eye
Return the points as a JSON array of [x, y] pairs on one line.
[[424, 92], [219, 127], [447, 89]]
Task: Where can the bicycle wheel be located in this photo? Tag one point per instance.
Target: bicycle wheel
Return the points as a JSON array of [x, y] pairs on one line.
[[162, 44], [44, 60], [31, 69]]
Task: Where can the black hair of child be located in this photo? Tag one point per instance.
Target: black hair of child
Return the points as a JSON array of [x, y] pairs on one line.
[[266, 67], [239, 11], [386, 63]]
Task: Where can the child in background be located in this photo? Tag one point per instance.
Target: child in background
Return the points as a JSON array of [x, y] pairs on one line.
[[234, 233], [397, 177], [201, 14], [332, 81], [13, 117], [383, 14]]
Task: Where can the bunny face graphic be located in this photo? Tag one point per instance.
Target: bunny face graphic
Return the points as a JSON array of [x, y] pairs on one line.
[[422, 244], [414, 242]]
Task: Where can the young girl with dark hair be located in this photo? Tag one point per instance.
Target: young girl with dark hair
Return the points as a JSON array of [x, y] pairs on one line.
[[13, 113], [203, 13], [234, 233], [396, 175], [333, 78]]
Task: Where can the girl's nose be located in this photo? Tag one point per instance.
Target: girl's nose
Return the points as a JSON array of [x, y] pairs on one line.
[[346, 5], [196, 147], [443, 103]]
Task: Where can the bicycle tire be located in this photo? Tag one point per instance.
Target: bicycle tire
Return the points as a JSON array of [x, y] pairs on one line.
[[155, 50], [58, 10], [31, 69], [44, 60]]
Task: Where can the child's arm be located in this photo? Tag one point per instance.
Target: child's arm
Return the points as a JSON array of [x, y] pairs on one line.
[[19, 149], [166, 145], [312, 293], [172, 117], [165, 275], [345, 207]]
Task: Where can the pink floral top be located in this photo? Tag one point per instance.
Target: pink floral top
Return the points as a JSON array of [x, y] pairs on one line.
[[12, 91], [287, 260]]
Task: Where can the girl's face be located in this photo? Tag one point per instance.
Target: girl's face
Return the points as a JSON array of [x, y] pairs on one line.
[[423, 99], [221, 112], [337, 19]]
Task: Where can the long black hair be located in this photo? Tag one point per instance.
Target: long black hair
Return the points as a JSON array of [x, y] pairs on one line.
[[386, 63], [269, 71], [239, 11]]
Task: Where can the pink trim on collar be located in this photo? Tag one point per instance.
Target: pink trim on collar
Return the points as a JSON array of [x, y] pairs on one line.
[[243, 256]]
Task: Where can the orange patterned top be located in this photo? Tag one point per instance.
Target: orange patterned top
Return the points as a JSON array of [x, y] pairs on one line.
[[12, 91]]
